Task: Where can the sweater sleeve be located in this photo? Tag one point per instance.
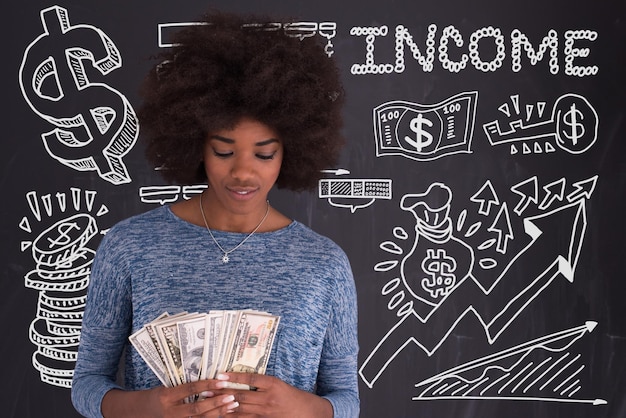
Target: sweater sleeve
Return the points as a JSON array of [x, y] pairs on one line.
[[337, 376], [104, 331]]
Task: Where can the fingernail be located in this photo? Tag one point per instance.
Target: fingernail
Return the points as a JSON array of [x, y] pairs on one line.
[[207, 394], [221, 385], [228, 399], [232, 406], [222, 376]]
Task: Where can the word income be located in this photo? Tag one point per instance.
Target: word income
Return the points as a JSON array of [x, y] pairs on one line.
[[574, 50]]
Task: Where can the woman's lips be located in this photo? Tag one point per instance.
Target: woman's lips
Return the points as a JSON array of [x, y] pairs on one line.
[[242, 194]]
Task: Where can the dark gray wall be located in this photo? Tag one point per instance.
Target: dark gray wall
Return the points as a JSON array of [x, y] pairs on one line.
[[507, 301]]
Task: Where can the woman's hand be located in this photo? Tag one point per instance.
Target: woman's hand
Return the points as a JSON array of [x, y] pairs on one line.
[[271, 397], [162, 402]]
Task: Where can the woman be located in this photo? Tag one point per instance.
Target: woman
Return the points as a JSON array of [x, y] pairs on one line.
[[239, 105]]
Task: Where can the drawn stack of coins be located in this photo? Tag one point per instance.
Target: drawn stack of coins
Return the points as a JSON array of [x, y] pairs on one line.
[[61, 275]]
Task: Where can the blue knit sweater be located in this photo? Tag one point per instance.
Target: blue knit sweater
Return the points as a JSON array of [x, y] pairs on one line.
[[156, 262]]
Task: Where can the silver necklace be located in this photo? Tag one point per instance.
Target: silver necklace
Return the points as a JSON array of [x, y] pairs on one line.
[[225, 257]]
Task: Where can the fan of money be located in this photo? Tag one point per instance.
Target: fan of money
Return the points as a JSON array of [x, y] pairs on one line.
[[187, 347]]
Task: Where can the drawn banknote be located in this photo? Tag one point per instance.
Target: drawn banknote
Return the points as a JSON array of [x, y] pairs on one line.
[[425, 132]]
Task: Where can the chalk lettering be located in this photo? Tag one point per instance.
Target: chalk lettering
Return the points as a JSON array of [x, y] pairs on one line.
[[487, 38]]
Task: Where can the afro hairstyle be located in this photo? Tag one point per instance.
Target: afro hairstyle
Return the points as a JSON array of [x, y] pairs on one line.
[[229, 67]]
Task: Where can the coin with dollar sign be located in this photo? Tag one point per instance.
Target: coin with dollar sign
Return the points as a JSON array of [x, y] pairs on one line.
[[64, 241]]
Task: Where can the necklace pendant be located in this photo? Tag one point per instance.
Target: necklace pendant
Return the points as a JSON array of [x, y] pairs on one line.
[[225, 257]]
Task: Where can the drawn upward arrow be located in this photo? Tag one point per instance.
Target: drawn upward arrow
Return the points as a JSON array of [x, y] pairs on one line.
[[502, 227], [486, 197], [554, 191], [584, 189], [546, 248], [529, 191]]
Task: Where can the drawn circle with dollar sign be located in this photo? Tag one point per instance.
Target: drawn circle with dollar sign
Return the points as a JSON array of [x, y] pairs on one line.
[[576, 123]]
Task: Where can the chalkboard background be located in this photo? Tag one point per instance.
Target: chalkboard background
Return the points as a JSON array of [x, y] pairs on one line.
[[496, 128]]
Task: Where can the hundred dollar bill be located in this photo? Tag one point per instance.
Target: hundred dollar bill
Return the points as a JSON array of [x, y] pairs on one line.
[[252, 343], [191, 334]]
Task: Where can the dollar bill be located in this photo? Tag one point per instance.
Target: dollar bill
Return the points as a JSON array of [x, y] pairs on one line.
[[153, 336], [211, 344], [252, 342], [144, 341], [167, 337], [191, 334], [144, 344], [229, 324]]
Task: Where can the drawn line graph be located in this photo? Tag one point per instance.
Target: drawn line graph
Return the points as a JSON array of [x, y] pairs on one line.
[[511, 374]]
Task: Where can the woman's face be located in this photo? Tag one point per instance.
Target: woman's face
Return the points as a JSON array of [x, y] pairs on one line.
[[242, 165]]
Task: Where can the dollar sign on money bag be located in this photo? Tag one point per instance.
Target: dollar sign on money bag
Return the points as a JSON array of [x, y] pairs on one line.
[[438, 261], [95, 126]]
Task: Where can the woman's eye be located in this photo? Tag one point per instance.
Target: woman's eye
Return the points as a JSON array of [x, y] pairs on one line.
[[266, 156], [222, 154]]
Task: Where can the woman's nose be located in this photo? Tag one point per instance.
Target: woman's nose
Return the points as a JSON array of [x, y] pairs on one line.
[[242, 168]]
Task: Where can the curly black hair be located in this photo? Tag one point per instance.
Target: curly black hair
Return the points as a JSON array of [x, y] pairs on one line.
[[233, 66]]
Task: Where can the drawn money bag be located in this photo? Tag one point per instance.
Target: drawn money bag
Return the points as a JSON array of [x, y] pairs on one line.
[[438, 261]]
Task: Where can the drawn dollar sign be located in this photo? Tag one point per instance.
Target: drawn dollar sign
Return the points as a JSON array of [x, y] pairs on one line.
[[95, 126], [572, 119], [63, 237], [422, 137], [440, 267]]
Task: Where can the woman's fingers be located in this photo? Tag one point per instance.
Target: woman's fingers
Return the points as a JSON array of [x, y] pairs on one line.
[[211, 407]]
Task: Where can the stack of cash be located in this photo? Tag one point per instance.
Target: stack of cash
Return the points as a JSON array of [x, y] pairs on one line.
[[187, 347]]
